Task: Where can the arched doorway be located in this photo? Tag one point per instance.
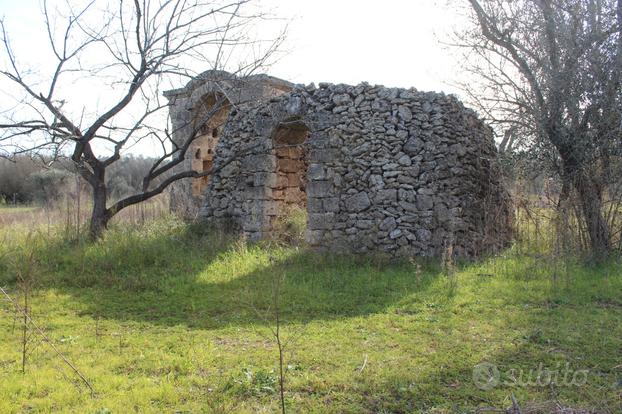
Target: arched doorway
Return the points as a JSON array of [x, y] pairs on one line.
[[290, 139], [209, 118]]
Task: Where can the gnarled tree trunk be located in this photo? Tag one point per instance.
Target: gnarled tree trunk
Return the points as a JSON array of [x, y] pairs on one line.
[[590, 195], [100, 215]]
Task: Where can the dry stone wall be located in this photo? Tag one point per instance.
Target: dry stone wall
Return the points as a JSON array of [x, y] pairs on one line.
[[386, 169], [188, 105]]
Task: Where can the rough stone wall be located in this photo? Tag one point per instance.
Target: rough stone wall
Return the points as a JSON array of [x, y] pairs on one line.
[[189, 104], [202, 149], [387, 169]]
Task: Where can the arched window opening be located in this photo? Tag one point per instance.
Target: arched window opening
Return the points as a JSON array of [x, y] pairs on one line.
[[210, 115], [289, 142]]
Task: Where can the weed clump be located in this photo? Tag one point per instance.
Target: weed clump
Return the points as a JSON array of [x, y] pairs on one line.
[[290, 227]]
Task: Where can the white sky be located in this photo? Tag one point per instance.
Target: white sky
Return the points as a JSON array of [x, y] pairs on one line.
[[390, 42]]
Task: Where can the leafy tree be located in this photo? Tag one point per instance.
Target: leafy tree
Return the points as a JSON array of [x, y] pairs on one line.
[[47, 185], [549, 73], [125, 177]]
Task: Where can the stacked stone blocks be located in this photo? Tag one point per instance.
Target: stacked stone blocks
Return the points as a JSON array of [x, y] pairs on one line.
[[378, 169]]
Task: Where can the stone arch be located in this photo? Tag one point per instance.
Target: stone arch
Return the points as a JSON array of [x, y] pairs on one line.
[[209, 115], [289, 139]]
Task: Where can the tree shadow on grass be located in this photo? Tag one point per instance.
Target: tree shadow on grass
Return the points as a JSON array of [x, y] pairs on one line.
[[489, 386], [310, 287], [176, 276], [547, 355], [524, 321]]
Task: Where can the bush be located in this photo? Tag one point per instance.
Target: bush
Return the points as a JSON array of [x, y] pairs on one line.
[[47, 186]]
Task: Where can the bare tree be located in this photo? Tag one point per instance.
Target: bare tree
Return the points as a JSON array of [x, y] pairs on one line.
[[549, 74], [132, 51]]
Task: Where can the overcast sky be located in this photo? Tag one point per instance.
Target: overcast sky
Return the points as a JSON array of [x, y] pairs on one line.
[[389, 42], [392, 42]]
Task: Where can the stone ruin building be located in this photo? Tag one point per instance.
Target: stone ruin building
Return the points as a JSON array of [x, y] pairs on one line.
[[377, 169]]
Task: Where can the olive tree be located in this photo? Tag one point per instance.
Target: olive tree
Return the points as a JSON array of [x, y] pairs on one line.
[[549, 73]]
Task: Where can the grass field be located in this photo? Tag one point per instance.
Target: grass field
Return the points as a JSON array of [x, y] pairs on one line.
[[162, 319], [7, 209], [11, 214]]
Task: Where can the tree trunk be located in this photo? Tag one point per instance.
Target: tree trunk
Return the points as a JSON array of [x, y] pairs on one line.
[[564, 194], [100, 215], [577, 169], [591, 198]]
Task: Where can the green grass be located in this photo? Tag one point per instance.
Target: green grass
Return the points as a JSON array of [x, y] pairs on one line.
[[165, 319]]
